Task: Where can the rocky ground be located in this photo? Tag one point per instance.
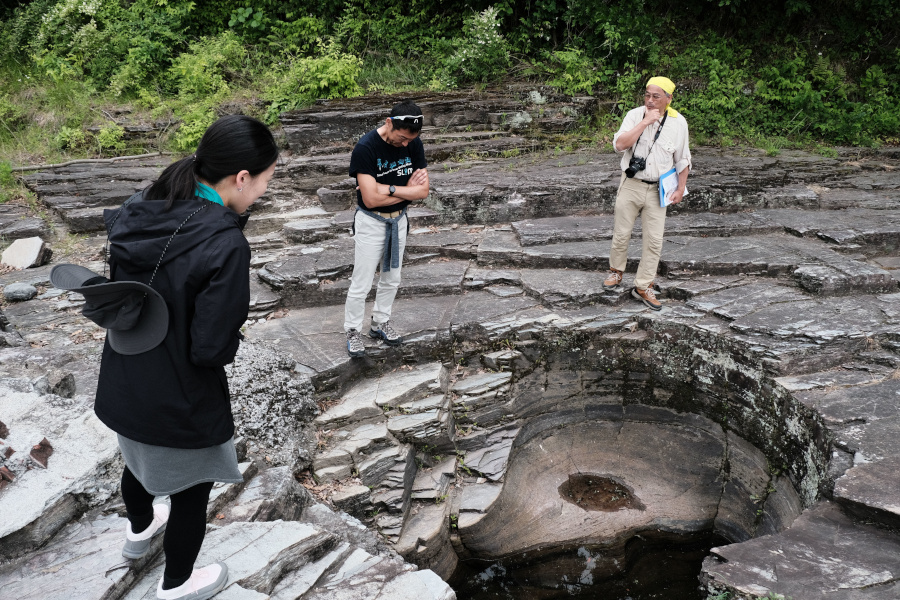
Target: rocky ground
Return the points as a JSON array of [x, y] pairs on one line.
[[528, 410]]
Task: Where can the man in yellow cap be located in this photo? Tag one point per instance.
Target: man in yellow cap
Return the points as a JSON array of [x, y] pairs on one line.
[[653, 139]]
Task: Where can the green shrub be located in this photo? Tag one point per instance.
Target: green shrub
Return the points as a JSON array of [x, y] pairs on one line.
[[252, 23], [298, 36], [157, 31], [7, 182], [111, 139], [12, 117], [71, 138], [304, 80], [481, 53], [205, 68], [192, 128], [572, 71]]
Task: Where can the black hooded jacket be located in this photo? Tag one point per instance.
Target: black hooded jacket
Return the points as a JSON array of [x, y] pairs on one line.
[[176, 394]]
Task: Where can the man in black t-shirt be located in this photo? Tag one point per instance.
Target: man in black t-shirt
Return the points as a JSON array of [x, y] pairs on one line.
[[390, 169]]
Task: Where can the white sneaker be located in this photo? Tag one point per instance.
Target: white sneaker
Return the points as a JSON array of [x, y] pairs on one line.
[[138, 544], [204, 583]]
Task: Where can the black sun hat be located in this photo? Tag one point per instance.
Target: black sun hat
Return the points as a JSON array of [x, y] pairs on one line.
[[134, 314]]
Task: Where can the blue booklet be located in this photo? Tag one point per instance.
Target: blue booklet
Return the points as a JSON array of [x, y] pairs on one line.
[[668, 184]]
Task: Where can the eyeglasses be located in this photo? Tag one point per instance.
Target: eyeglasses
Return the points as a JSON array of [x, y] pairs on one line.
[[648, 95], [413, 118]]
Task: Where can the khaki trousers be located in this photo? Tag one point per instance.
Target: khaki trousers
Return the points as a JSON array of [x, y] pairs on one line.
[[638, 198]]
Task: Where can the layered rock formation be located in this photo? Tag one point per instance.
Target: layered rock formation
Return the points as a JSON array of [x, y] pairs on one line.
[[529, 413]]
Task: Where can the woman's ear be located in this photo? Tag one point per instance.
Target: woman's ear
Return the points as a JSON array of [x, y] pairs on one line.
[[242, 179]]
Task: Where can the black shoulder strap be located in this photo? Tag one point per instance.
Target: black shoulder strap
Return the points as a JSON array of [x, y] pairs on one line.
[[172, 237]]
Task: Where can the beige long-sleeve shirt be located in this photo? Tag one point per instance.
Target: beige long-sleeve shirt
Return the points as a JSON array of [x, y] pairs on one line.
[[670, 150]]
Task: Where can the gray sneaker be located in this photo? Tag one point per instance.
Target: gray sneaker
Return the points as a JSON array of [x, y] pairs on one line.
[[385, 333], [138, 544], [203, 584], [355, 346]]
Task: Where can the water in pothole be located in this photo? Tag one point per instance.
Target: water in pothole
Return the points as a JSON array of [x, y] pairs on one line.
[[656, 569]]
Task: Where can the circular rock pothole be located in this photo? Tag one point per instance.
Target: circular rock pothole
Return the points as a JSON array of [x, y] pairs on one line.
[[598, 492]]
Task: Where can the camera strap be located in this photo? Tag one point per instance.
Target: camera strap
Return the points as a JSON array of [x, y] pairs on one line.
[[655, 137]]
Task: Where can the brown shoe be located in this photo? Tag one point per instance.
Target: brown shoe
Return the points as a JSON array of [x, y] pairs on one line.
[[613, 279], [648, 297]]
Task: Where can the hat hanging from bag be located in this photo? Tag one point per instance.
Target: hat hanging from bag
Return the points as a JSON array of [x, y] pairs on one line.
[[134, 314]]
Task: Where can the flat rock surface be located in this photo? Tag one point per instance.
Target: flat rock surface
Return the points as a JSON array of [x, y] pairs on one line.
[[40, 500], [257, 554], [781, 308], [86, 557], [823, 555]]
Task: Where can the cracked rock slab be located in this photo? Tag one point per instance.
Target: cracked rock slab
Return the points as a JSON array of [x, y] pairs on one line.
[[823, 556], [40, 501], [258, 555]]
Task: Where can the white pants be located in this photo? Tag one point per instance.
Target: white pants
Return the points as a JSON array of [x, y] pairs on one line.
[[369, 237]]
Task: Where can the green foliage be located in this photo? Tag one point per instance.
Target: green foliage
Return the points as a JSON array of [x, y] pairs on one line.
[[405, 29], [192, 127], [8, 182], [252, 23], [71, 138], [111, 139], [572, 71], [157, 30], [12, 116], [773, 73], [298, 36], [208, 64], [481, 53], [304, 80]]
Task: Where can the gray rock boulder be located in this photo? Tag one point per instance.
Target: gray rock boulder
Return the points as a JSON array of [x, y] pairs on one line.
[[19, 292], [27, 252]]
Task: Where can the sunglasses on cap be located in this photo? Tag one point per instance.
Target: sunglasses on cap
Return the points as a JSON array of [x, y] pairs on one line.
[[413, 118]]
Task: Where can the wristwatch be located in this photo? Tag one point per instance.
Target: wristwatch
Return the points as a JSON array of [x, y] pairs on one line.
[[391, 190]]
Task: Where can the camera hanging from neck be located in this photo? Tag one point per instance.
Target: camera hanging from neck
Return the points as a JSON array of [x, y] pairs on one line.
[[639, 163]]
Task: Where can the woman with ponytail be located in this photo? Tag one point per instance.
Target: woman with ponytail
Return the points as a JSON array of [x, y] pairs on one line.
[[170, 404]]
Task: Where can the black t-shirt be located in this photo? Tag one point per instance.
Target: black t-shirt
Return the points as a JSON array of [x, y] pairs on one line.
[[390, 165]]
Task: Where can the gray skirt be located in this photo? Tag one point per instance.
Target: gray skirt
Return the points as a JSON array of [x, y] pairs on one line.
[[165, 471]]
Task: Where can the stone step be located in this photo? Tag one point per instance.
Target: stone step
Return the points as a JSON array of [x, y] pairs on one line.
[[320, 277], [346, 448], [488, 191], [365, 576], [863, 415], [822, 555], [297, 583], [273, 494], [258, 556], [222, 494], [75, 467], [425, 539], [84, 561], [369, 398], [17, 222], [335, 123], [463, 133]]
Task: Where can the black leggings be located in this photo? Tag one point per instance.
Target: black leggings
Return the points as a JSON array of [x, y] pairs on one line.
[[187, 522]]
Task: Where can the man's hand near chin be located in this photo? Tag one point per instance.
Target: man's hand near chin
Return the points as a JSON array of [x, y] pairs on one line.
[[650, 116]]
